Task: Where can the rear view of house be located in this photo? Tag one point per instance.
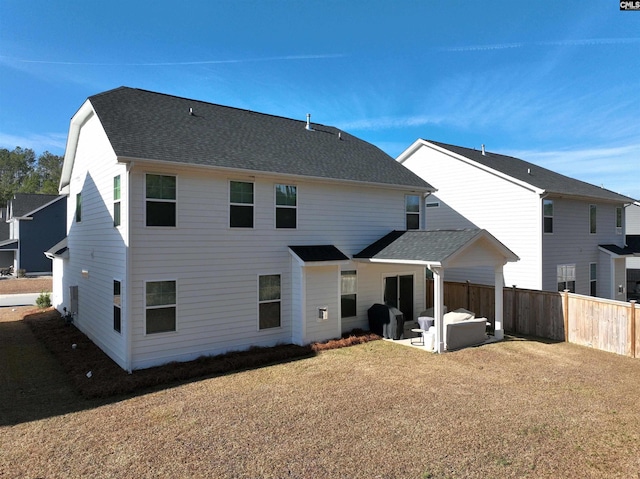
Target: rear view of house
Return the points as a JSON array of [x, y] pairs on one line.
[[567, 233], [195, 229]]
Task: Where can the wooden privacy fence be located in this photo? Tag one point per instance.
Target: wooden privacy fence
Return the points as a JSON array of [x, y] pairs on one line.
[[603, 324]]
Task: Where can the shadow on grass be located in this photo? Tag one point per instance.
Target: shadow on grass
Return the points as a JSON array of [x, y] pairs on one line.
[[524, 337], [109, 383]]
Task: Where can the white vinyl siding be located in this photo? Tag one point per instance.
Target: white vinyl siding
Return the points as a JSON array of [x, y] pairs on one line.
[[474, 197], [98, 248], [217, 266]]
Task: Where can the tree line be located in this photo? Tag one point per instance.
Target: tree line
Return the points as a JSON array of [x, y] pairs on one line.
[[21, 171]]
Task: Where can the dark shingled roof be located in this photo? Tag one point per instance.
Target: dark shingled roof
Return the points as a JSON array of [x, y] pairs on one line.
[[148, 125], [539, 177], [319, 253], [24, 203], [416, 245]]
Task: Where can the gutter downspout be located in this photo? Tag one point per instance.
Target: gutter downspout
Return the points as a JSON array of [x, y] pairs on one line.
[[127, 276]]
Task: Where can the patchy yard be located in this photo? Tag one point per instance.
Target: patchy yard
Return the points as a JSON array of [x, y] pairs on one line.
[[520, 408]]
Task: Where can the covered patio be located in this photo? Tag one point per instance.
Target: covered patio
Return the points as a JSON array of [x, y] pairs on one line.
[[439, 250]]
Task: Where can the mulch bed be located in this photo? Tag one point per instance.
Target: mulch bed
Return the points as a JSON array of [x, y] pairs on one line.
[[94, 375]]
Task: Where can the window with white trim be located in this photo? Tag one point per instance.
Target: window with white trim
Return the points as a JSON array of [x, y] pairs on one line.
[[412, 212], [547, 216], [160, 306], [116, 201], [117, 306], [240, 204], [593, 224], [160, 200], [269, 302], [593, 279], [348, 293], [566, 274], [286, 206]]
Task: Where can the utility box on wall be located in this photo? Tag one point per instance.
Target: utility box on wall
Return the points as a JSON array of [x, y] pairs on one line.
[[323, 313]]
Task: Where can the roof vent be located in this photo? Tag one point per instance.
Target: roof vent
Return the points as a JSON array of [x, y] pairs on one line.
[[528, 171], [483, 153], [190, 111], [308, 127], [339, 135]]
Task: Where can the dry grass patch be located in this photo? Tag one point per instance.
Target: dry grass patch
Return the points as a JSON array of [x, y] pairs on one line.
[[9, 285], [515, 409]]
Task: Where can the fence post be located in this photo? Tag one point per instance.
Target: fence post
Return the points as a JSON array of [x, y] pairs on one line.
[[468, 306], [632, 332], [566, 315], [514, 308]]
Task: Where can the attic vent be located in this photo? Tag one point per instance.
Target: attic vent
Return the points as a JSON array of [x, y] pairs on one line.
[[308, 127]]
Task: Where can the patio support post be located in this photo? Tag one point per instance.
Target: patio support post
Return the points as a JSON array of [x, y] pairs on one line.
[[499, 301], [438, 305]]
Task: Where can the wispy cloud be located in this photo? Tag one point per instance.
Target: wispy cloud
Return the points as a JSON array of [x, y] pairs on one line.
[[563, 43], [195, 62], [387, 122], [53, 142]]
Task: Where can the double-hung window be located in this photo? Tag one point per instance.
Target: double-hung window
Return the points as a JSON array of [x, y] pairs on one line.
[[116, 201], [593, 219], [412, 211], [117, 306], [566, 274], [547, 214], [348, 291], [619, 220], [160, 306], [269, 302], [286, 206], [161, 200], [240, 204]]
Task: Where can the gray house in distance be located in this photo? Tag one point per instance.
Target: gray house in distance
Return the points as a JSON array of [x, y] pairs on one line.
[[32, 224]]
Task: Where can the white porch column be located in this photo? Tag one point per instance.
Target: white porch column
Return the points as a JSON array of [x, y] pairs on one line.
[[438, 305], [499, 314]]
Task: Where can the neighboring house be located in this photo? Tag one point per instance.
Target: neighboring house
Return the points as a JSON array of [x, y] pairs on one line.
[[567, 233], [32, 224], [196, 229], [632, 218]]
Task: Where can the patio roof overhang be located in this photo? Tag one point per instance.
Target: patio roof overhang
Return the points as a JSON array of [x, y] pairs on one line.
[[439, 250], [318, 255]]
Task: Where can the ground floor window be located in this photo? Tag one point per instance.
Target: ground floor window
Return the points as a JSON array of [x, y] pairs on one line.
[[117, 307], [348, 288], [269, 303], [566, 274], [160, 306]]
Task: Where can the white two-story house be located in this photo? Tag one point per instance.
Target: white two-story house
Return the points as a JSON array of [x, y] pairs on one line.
[[195, 229], [567, 233]]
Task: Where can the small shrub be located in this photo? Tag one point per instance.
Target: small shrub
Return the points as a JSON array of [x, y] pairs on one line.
[[44, 300], [22, 273]]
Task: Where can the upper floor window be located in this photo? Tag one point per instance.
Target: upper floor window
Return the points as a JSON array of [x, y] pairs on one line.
[[592, 219], [286, 206], [619, 220], [116, 201], [269, 301], [547, 215], [412, 211], [348, 290], [79, 207], [160, 306], [240, 204], [161, 200], [566, 274]]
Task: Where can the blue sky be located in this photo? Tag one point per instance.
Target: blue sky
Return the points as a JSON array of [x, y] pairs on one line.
[[553, 82]]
